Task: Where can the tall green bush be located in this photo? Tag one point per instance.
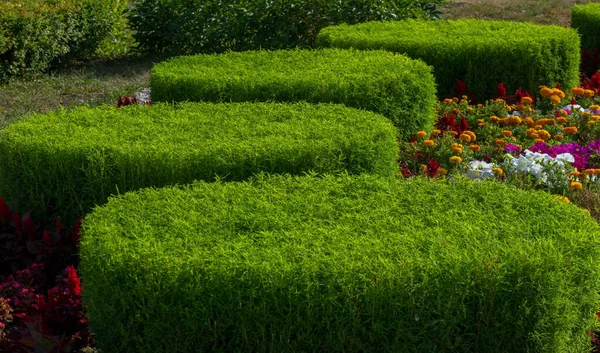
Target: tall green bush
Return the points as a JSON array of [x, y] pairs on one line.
[[480, 53], [65, 162], [585, 18], [393, 85], [340, 264], [36, 35], [180, 27]]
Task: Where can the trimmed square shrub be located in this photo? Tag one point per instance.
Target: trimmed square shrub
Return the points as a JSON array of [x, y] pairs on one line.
[[65, 162], [36, 35], [340, 264], [183, 27], [585, 18], [393, 85], [481, 53]]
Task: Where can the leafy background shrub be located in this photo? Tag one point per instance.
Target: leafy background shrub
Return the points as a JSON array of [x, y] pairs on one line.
[[480, 53], [37, 35], [340, 264], [585, 18], [401, 89], [179, 27], [64, 163]]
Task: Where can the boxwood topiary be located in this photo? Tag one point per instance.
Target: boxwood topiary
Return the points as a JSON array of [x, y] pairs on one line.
[[481, 53], [393, 85], [340, 264], [65, 162]]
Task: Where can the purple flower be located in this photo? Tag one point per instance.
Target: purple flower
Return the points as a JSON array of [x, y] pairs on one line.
[[512, 149]]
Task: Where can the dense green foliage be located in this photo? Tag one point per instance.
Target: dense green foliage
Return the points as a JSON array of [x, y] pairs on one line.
[[36, 35], [340, 264], [64, 163], [393, 85], [585, 19], [178, 27], [480, 53]]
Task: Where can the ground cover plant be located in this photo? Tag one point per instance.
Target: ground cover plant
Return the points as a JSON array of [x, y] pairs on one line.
[[476, 52], [400, 88], [282, 263], [97, 82], [103, 151]]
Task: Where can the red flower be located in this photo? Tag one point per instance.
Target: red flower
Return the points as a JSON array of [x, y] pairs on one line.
[[501, 91], [463, 125], [4, 211], [59, 225], [29, 227], [73, 282], [17, 222], [47, 238], [75, 235], [460, 87], [406, 172], [432, 168]]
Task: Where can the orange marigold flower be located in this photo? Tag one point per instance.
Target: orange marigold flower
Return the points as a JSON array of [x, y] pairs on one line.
[[481, 124], [506, 133], [575, 185], [455, 159], [587, 171], [545, 91], [514, 120], [594, 117], [570, 130], [421, 134], [529, 122], [586, 114], [464, 137], [472, 134], [561, 119], [500, 142], [575, 173], [588, 93], [591, 122], [555, 99], [526, 100], [442, 171], [578, 91], [436, 132], [596, 171], [594, 107], [558, 92], [558, 137], [474, 147], [480, 105], [448, 101], [543, 134], [533, 135], [456, 149], [428, 143], [494, 119], [563, 112], [497, 171]]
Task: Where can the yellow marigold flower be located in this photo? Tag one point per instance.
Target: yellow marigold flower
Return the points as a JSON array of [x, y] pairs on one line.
[[448, 101], [423, 166], [594, 117], [472, 134], [455, 159], [563, 198], [526, 100], [591, 122], [529, 122], [436, 132], [428, 143], [578, 91], [558, 137], [596, 171], [474, 147], [557, 92], [575, 173], [543, 134], [514, 120], [539, 140], [519, 106], [586, 114], [497, 171], [555, 99], [588, 93], [500, 142], [570, 130], [545, 91], [587, 171], [575, 185], [507, 133], [561, 119], [563, 112], [442, 171], [494, 119], [464, 137], [421, 134], [533, 135], [455, 111], [457, 150], [594, 107], [537, 126]]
